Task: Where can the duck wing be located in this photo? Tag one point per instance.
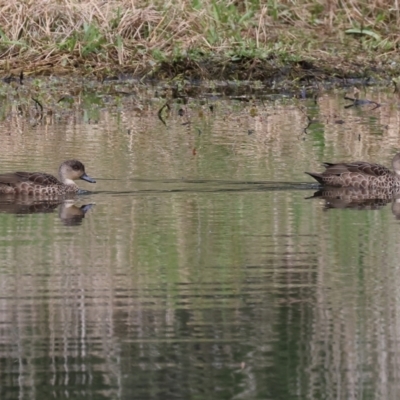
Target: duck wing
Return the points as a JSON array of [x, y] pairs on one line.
[[359, 167], [38, 178]]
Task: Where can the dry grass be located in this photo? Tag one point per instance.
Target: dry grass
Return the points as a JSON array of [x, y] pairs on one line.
[[108, 37]]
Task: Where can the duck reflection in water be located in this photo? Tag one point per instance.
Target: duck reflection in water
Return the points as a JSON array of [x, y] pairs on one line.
[[72, 215], [359, 199], [69, 213]]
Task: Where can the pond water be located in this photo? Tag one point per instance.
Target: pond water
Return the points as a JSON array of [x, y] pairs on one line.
[[198, 266]]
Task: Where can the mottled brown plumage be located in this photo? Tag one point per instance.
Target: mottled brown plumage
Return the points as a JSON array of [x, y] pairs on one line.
[[42, 184], [360, 174]]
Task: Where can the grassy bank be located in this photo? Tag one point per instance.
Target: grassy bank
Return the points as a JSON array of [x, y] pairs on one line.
[[298, 39]]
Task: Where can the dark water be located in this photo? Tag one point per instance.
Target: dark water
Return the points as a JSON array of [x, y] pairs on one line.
[[196, 268]]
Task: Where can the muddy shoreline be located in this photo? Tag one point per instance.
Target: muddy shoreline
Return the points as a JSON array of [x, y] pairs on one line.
[[272, 75]]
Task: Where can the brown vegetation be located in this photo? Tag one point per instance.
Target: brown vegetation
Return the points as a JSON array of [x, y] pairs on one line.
[[202, 39]]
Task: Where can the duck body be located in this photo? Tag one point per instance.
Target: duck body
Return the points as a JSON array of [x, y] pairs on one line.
[[45, 185], [360, 174]]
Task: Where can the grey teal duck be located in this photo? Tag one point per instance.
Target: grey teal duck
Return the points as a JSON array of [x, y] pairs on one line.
[[45, 185], [360, 174]]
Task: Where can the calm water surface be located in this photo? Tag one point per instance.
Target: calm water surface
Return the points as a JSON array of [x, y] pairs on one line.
[[196, 267]]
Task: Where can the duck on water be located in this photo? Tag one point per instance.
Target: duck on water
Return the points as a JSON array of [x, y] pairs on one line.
[[42, 184], [360, 174]]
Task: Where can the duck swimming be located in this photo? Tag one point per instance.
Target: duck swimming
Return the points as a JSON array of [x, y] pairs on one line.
[[360, 174], [42, 184]]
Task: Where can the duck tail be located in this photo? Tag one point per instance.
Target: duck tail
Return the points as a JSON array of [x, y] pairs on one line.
[[317, 177]]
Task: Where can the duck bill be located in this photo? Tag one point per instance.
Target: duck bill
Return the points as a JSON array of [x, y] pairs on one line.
[[87, 178]]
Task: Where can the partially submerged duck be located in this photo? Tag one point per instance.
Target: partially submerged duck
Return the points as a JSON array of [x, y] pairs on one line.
[[360, 174], [42, 184]]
